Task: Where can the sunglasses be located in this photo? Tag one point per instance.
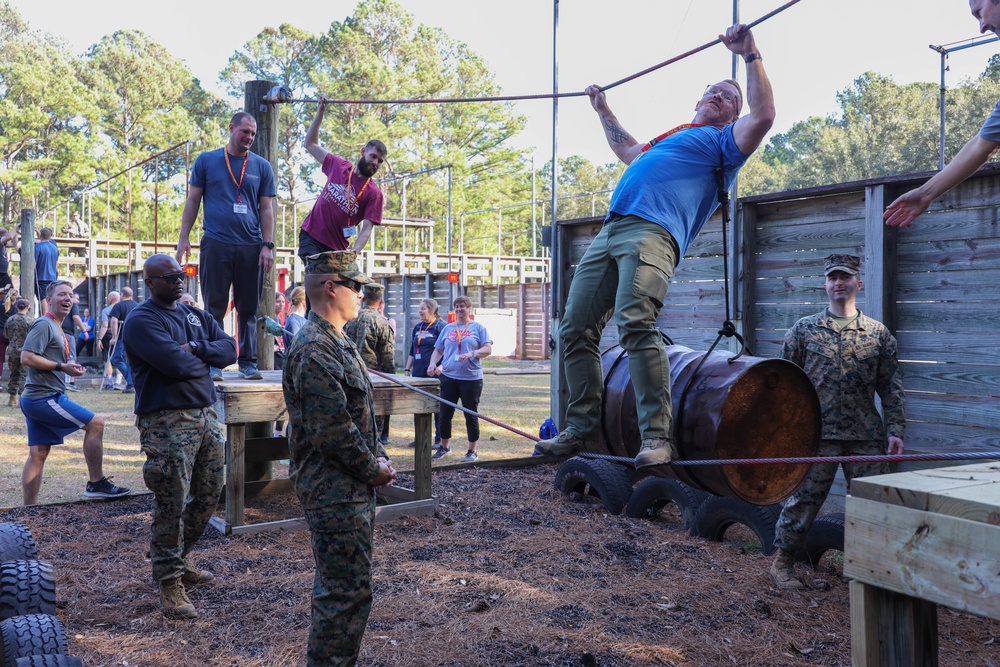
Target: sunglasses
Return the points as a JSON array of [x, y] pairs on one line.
[[352, 285], [170, 277]]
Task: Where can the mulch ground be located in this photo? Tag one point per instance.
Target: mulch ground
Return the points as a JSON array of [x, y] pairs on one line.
[[508, 573]]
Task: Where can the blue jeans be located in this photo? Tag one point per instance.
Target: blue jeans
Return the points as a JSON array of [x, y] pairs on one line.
[[119, 361], [625, 273]]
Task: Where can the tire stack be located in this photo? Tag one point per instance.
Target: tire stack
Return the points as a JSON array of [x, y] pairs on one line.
[[31, 634]]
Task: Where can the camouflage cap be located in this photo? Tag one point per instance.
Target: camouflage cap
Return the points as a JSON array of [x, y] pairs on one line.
[[373, 291], [344, 263], [847, 263]]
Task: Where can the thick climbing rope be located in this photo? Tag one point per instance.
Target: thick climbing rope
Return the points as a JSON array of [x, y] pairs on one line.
[[286, 95]]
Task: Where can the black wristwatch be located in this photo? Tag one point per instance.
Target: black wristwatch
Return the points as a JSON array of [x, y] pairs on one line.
[[268, 244], [194, 347]]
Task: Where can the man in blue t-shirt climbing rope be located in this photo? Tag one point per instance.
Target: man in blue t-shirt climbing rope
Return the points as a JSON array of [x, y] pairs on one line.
[[660, 204]]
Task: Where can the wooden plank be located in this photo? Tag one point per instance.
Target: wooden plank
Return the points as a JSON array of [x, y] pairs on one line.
[[426, 507], [235, 473], [950, 255], [820, 234], [916, 489], [890, 630], [265, 449], [423, 425], [929, 437], [977, 411], [879, 260], [941, 559], [835, 207], [965, 348], [963, 379], [937, 224], [958, 316], [946, 285]]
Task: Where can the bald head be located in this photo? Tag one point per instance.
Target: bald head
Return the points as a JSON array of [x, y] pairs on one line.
[[157, 265]]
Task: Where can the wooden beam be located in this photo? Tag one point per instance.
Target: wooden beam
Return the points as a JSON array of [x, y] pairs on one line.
[[890, 630]]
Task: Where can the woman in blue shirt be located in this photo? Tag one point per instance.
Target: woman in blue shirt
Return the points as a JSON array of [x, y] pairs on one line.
[[425, 335], [460, 349]]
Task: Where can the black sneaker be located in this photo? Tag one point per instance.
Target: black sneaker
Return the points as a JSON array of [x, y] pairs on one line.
[[384, 440], [441, 452], [105, 489]]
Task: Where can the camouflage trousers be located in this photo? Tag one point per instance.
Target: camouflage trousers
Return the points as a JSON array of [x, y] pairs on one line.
[[802, 507], [185, 458], [15, 385], [342, 587]]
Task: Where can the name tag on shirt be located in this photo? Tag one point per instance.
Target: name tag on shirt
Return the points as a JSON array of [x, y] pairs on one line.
[[240, 209], [416, 356], [350, 231]]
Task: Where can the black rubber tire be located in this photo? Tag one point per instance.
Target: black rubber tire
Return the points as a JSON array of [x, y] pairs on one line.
[[16, 542], [653, 494], [26, 587], [608, 481], [35, 634], [717, 514], [49, 661], [826, 534]]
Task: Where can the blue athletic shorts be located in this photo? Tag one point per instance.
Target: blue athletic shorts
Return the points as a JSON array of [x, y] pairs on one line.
[[51, 418]]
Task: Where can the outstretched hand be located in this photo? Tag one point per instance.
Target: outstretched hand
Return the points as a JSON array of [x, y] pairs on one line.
[[597, 98], [906, 208]]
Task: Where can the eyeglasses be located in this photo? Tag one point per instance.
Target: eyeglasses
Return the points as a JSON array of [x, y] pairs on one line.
[[177, 277], [725, 94], [352, 285]]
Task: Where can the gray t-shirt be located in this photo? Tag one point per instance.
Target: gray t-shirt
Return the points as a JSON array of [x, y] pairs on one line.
[[991, 128], [47, 339]]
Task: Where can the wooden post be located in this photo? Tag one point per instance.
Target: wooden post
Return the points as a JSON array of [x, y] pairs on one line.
[[266, 146], [27, 254]]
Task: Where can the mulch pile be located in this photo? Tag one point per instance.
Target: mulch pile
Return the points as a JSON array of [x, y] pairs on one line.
[[509, 573]]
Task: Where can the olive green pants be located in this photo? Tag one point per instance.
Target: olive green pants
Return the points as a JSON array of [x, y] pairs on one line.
[[625, 273]]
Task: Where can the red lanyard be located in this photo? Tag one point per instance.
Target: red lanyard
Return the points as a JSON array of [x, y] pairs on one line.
[[358, 198], [246, 158], [653, 142], [65, 340]]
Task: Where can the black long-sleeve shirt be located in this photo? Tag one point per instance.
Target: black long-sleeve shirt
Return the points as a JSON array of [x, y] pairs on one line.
[[167, 377]]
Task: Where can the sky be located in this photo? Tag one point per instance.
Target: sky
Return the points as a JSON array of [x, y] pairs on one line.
[[810, 51]]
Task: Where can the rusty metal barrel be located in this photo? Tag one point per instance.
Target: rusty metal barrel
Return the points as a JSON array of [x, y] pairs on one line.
[[751, 408]]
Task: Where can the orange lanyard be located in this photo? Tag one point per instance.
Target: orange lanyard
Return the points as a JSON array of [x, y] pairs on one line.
[[685, 126], [246, 158], [423, 332], [358, 198], [65, 340], [459, 335]]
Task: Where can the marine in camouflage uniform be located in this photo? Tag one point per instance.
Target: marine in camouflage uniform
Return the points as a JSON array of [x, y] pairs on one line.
[[849, 360], [375, 340], [16, 329], [171, 348], [334, 465]]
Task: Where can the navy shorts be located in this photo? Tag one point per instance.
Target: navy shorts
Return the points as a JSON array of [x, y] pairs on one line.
[[51, 418]]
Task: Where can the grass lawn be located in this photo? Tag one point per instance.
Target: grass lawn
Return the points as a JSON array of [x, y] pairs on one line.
[[519, 400]]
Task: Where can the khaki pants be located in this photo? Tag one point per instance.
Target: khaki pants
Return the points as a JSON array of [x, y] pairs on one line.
[[625, 273]]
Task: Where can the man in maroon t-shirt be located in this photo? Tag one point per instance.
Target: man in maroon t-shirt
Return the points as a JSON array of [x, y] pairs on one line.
[[350, 204]]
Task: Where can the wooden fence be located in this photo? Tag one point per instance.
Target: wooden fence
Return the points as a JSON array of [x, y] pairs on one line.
[[933, 284], [403, 294]]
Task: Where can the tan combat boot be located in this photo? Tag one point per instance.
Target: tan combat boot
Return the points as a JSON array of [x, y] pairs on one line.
[[13, 401], [194, 577], [175, 600], [655, 452], [783, 571]]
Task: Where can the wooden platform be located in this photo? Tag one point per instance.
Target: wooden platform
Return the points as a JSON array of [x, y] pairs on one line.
[[243, 402], [913, 541]]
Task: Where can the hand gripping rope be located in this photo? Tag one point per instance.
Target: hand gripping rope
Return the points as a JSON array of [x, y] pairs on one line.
[[282, 94]]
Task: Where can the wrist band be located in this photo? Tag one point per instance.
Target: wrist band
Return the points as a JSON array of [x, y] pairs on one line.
[[752, 57], [58, 367]]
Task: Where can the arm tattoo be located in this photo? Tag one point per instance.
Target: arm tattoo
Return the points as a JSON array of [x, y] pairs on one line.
[[616, 132]]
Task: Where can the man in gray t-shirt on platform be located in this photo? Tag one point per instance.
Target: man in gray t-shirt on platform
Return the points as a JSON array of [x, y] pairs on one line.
[[973, 155], [50, 415]]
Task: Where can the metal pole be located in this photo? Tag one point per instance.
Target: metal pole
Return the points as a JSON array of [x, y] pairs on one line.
[[403, 246], [27, 253], [534, 222], [944, 57], [451, 285]]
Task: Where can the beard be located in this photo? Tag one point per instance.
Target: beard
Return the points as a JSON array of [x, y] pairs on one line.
[[365, 170]]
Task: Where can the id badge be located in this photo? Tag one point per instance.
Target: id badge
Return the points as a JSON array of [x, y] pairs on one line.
[[240, 209], [416, 356], [350, 231]]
